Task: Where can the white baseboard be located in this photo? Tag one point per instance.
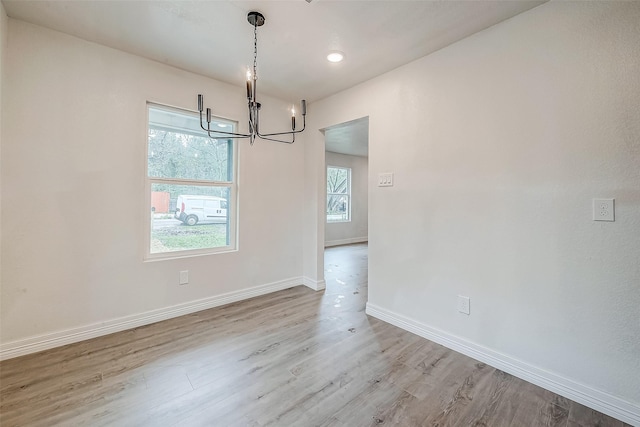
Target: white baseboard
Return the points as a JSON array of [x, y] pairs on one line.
[[69, 336], [345, 241], [586, 395], [314, 284]]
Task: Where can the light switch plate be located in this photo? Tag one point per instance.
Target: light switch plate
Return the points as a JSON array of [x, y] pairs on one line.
[[604, 209], [385, 179]]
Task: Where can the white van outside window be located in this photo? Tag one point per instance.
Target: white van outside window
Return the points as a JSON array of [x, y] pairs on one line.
[[192, 210]]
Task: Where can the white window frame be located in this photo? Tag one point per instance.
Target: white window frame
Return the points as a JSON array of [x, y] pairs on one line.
[[348, 194], [231, 185]]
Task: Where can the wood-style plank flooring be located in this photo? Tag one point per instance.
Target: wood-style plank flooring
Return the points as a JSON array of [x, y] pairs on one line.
[[292, 358]]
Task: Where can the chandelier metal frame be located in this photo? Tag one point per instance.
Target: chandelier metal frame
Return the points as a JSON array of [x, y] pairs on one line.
[[256, 19]]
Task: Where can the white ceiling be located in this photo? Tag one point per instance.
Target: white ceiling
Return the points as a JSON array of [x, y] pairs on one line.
[[213, 38], [349, 138]]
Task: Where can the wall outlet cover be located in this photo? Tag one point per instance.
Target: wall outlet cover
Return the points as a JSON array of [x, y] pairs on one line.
[[184, 277], [464, 304], [604, 209]]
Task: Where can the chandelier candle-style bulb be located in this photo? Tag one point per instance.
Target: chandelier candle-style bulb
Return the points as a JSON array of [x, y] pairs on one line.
[[293, 118], [248, 84]]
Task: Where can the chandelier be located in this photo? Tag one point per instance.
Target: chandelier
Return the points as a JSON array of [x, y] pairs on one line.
[[257, 20]]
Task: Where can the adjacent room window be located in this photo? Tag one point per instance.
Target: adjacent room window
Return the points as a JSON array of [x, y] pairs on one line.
[[338, 194], [191, 185]]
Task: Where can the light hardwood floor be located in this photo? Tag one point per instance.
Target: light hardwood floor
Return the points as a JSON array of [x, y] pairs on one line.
[[292, 358]]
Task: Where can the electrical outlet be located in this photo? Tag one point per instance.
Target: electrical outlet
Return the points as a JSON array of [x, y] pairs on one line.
[[464, 304], [184, 277], [604, 209]]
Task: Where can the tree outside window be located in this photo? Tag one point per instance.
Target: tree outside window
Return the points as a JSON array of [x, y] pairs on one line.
[[338, 194]]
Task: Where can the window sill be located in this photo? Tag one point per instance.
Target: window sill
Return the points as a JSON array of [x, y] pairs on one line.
[[168, 256]]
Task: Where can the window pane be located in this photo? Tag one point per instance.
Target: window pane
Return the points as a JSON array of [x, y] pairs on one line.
[[338, 194], [178, 148], [337, 180], [189, 217], [337, 207]]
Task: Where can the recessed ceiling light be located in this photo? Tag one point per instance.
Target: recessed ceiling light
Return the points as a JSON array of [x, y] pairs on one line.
[[335, 56]]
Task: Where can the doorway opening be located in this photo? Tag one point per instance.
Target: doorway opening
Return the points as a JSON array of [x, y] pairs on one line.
[[347, 183], [346, 219]]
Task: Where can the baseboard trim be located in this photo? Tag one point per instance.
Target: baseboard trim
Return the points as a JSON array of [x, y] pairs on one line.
[[56, 339], [583, 394], [316, 285], [345, 241]]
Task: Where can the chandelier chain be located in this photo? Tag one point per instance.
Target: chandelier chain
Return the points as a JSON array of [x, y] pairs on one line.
[[255, 49]]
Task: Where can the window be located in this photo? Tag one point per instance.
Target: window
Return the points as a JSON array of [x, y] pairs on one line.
[[191, 185], [338, 194]]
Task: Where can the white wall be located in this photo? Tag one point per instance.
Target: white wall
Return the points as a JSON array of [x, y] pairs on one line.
[[314, 204], [4, 22], [506, 137], [74, 140], [354, 231]]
